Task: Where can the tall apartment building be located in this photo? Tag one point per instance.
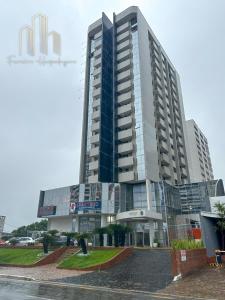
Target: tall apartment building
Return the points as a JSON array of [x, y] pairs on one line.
[[199, 162], [133, 122]]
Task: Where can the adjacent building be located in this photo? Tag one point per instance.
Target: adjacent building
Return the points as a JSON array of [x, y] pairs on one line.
[[199, 161], [133, 123]]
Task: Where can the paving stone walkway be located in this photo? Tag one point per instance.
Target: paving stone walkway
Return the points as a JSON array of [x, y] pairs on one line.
[[207, 283], [146, 270]]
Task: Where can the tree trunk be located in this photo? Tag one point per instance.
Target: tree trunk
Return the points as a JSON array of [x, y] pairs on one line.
[[222, 238], [101, 239], [83, 246], [116, 239], [45, 247], [68, 239], [109, 240]]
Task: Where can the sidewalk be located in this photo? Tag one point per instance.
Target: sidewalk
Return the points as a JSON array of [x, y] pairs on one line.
[[206, 283], [47, 272]]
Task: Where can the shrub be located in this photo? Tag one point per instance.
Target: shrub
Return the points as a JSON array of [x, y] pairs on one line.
[[186, 244]]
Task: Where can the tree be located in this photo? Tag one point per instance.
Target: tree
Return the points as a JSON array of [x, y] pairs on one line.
[[81, 241], [69, 236], [220, 207], [119, 232], [48, 238], [101, 231], [39, 226]]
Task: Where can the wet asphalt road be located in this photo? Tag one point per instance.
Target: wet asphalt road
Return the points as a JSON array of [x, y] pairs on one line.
[[12, 289]]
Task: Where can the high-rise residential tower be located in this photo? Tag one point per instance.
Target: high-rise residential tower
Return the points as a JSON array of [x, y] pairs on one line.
[[199, 161], [133, 122]]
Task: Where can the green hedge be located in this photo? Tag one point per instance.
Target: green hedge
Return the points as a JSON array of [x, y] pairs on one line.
[[186, 244]]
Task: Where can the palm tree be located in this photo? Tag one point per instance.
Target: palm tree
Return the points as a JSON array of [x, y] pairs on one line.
[[48, 238], [220, 207], [101, 231], [81, 241], [69, 236]]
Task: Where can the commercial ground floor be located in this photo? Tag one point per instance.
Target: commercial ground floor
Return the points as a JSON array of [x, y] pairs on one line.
[[154, 211]]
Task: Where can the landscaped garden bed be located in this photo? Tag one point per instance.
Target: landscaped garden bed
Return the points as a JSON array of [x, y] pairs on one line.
[[19, 256], [95, 257]]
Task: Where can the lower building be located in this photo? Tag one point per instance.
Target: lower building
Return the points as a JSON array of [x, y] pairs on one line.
[[153, 210]]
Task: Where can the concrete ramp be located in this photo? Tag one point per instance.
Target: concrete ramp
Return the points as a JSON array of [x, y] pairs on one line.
[[146, 270]]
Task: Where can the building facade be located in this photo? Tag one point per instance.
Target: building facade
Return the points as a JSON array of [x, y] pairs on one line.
[[134, 166], [133, 122], [199, 161]]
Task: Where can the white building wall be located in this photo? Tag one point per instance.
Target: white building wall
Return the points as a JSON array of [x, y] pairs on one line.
[[199, 161]]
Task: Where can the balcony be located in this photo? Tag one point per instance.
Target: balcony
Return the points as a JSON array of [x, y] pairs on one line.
[[179, 141], [125, 148], [96, 92], [97, 82], [163, 147], [159, 102], [96, 103], [124, 87], [95, 126], [124, 65], [123, 36], [98, 43], [98, 52], [182, 162], [123, 46], [97, 62], [123, 76], [94, 139], [93, 179], [93, 165], [98, 34], [166, 172], [125, 135], [183, 173], [125, 162], [160, 112], [94, 152], [123, 27], [164, 159], [123, 55], [96, 115], [162, 135], [126, 176], [124, 98], [181, 151], [124, 122], [97, 71], [124, 110], [161, 123]]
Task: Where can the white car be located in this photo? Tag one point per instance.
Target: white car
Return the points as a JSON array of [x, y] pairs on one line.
[[25, 241]]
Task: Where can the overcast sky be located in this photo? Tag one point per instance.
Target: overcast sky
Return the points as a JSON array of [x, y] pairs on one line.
[[41, 107]]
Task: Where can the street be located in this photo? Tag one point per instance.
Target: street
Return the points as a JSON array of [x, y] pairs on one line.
[[14, 289]]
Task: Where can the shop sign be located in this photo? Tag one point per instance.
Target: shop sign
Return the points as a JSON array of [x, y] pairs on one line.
[[89, 205]]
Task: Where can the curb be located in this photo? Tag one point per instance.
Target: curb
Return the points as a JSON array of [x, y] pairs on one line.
[[156, 294], [17, 277]]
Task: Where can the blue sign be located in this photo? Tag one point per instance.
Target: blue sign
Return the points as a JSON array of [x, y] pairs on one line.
[[89, 205]]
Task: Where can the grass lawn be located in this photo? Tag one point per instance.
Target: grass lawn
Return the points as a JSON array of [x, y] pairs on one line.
[[95, 257], [19, 256]]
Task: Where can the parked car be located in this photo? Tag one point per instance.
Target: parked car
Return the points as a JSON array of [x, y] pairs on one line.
[[25, 241]]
